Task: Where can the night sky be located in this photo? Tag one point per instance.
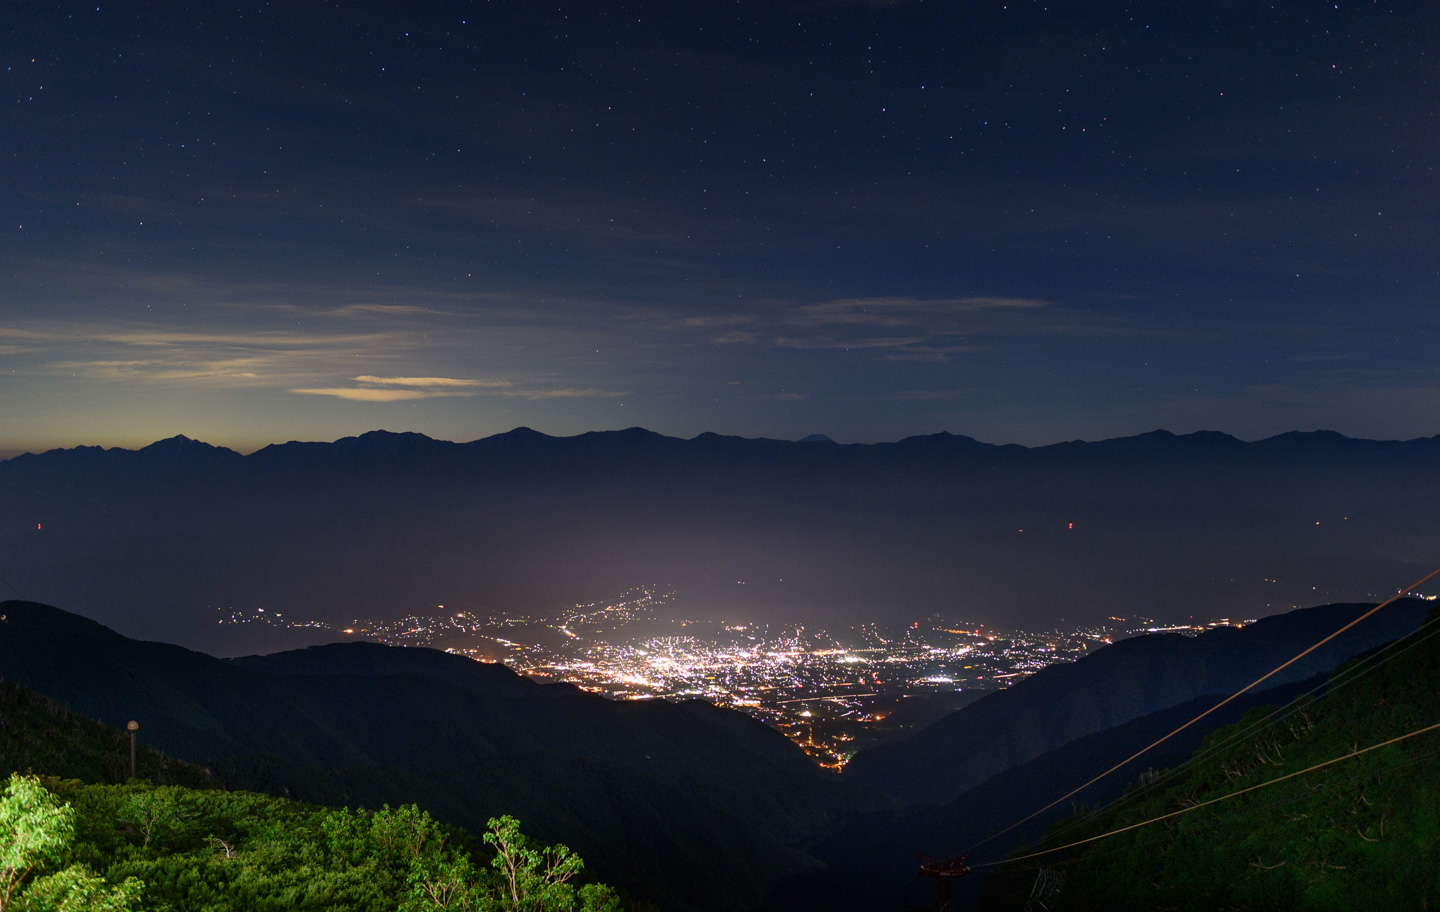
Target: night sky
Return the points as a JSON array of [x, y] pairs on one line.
[[1026, 222]]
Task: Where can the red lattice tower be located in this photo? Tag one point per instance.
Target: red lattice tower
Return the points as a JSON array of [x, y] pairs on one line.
[[944, 872]]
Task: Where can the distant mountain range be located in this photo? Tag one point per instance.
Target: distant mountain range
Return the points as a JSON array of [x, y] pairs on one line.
[[155, 541]]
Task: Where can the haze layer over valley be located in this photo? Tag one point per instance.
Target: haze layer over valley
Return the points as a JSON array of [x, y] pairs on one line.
[[164, 540]]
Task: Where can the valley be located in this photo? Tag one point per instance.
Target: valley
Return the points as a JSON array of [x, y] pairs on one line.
[[833, 691]]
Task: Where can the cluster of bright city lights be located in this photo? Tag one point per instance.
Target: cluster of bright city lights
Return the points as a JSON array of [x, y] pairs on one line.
[[831, 691]]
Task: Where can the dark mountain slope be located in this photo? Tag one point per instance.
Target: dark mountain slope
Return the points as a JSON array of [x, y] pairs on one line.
[[686, 803], [1118, 683], [874, 856], [39, 735], [1362, 833], [203, 709], [634, 829], [373, 660]]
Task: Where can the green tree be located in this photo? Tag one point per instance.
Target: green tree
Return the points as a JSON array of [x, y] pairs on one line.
[[78, 889], [445, 881], [525, 876], [153, 812], [536, 878], [598, 898], [405, 833], [35, 830]]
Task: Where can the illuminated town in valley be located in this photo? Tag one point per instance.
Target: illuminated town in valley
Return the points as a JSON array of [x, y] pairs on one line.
[[832, 691]]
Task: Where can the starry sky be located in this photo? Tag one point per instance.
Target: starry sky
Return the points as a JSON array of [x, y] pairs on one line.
[[1021, 221]]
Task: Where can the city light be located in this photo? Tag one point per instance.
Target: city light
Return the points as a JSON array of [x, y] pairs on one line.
[[830, 691]]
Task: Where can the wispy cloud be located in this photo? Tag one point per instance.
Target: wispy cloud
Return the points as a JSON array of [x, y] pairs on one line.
[[894, 327], [311, 357], [157, 337], [16, 334], [387, 310], [372, 394], [898, 311], [859, 342], [736, 338], [588, 213], [713, 322], [565, 394], [384, 389], [432, 382], [926, 395], [138, 206], [153, 369], [137, 353]]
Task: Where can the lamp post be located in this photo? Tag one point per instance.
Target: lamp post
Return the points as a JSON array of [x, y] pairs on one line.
[[132, 727]]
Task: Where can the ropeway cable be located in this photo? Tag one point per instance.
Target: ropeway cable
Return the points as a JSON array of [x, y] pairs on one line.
[[1349, 675], [1196, 807], [1269, 674], [14, 590]]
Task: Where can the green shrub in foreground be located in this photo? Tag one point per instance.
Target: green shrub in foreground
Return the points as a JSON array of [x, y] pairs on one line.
[[98, 848]]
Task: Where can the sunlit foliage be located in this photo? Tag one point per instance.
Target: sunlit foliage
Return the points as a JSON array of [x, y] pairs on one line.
[[36, 831], [70, 847]]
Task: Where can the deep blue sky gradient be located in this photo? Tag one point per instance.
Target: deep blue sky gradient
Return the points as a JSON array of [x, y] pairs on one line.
[[1025, 222]]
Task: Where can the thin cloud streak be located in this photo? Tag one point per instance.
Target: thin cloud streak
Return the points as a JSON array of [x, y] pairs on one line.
[[153, 370], [389, 310], [431, 382], [926, 395], [370, 394], [858, 343], [157, 338], [713, 322], [892, 327], [566, 394], [897, 311]]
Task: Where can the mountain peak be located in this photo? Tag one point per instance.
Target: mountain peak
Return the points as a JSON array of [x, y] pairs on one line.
[[521, 433], [630, 433], [382, 437], [175, 444], [181, 446]]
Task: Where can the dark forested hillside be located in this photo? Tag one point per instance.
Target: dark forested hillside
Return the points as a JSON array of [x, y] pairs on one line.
[[638, 784], [1125, 681], [373, 660], [873, 857], [1363, 833], [39, 735]]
